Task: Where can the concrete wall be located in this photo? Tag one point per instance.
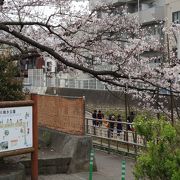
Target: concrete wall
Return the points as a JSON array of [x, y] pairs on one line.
[[76, 147], [100, 98], [61, 153], [65, 114], [11, 170], [171, 6], [105, 99]]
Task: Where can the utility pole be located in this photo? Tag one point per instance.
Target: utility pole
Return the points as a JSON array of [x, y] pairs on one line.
[[126, 116], [172, 105], [170, 86], [178, 44]]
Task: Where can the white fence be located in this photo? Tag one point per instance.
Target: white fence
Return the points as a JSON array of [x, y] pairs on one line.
[[36, 78]]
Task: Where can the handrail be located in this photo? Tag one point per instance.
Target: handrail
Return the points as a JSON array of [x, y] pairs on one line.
[[110, 137]]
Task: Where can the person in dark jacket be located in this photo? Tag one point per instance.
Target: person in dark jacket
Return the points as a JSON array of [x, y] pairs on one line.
[[130, 119], [99, 116], [111, 125], [94, 116], [119, 125]]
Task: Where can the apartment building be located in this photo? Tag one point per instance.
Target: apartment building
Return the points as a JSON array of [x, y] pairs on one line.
[[172, 11], [153, 14], [149, 10]]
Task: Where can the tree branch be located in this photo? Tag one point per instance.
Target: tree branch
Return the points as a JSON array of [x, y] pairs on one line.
[[11, 44], [95, 73]]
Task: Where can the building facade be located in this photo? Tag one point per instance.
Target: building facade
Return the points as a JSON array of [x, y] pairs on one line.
[[152, 14], [150, 11]]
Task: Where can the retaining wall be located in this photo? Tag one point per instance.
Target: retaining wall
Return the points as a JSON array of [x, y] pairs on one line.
[[99, 99], [94, 98], [61, 153]]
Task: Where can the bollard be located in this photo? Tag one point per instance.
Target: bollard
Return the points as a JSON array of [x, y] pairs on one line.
[[91, 164], [123, 170]]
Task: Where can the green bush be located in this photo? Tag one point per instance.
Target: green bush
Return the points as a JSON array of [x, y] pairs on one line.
[[161, 159]]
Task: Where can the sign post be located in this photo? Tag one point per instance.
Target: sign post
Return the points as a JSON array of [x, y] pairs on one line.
[[34, 154], [18, 131]]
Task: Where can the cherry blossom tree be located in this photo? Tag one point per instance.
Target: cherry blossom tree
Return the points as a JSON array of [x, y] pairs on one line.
[[76, 38]]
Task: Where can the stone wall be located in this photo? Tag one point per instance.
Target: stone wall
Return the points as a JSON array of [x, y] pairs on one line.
[[65, 114]]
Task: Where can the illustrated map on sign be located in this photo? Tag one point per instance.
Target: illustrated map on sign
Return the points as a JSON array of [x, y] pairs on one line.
[[15, 128]]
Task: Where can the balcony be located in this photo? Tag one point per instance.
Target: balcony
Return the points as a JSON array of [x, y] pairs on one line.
[[94, 3], [151, 14]]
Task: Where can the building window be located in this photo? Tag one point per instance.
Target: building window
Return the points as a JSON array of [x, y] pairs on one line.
[[48, 66], [176, 17]]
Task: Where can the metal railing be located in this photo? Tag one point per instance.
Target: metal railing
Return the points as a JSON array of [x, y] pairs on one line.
[[37, 78], [111, 138]]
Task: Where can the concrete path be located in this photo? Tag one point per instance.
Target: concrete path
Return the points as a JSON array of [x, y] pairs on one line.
[[109, 168]]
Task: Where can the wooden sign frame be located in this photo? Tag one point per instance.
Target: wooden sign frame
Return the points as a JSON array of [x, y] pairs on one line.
[[34, 149]]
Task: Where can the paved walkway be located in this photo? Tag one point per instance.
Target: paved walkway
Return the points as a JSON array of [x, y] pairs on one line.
[[109, 168]]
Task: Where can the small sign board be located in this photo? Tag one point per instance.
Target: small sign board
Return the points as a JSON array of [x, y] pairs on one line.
[[16, 128]]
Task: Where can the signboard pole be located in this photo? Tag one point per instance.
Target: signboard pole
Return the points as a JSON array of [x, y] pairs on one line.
[[34, 154]]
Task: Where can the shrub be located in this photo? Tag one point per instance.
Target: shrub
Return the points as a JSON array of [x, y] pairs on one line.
[[161, 159]]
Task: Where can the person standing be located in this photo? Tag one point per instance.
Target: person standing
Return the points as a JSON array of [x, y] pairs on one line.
[[94, 116], [111, 125], [119, 125], [130, 119], [99, 116]]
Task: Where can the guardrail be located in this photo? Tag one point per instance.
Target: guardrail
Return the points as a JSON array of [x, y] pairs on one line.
[[114, 139]]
